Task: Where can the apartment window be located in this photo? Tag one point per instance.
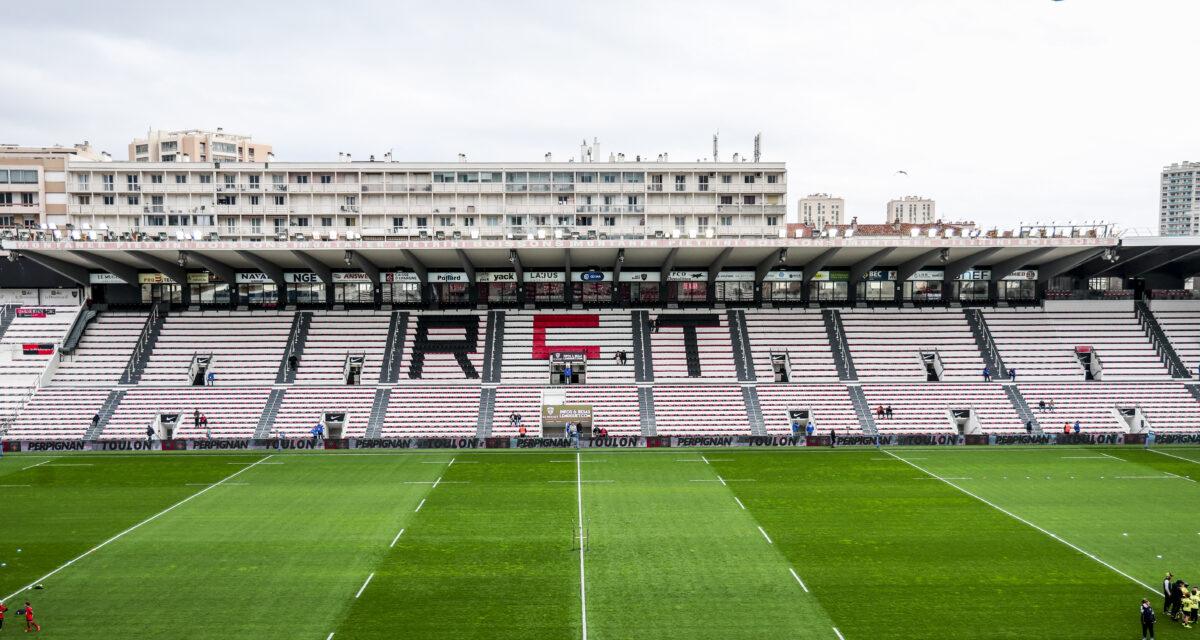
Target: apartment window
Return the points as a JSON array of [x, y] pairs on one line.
[[610, 221], [562, 221], [205, 178], [109, 200], [280, 201], [585, 177], [726, 221], [85, 200], [680, 183], [254, 181], [516, 221], [748, 179], [443, 176], [583, 221], [726, 179], [6, 221], [564, 200], [726, 199], [445, 221], [301, 179], [228, 180], [171, 145], [702, 221], [142, 148], [351, 201], [254, 201], [749, 199], [299, 222], [326, 222], [132, 200], [632, 201], [635, 177], [326, 179], [680, 221], [181, 179], [223, 147], [108, 182], [468, 222], [397, 223], [156, 221], [348, 222], [772, 221], [27, 198], [156, 179], [131, 180], [422, 221], [608, 178], [6, 198], [772, 179]]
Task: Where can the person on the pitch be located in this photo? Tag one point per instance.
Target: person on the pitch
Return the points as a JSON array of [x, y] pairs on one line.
[[30, 623], [1148, 620], [3, 609]]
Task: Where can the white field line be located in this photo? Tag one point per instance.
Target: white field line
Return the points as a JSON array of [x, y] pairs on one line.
[[1176, 475], [705, 459], [1167, 477], [943, 479], [1107, 455], [443, 482], [797, 577], [432, 461], [582, 585], [1078, 457], [436, 483], [763, 531], [573, 462], [722, 480], [254, 463], [839, 634], [396, 539], [39, 464], [1169, 455], [735, 499], [330, 636], [419, 505], [206, 484], [577, 481], [1024, 521], [135, 527], [70, 464], [15, 485], [723, 484], [364, 587]]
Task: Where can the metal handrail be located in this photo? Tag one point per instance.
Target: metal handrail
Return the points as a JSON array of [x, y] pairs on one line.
[[140, 347]]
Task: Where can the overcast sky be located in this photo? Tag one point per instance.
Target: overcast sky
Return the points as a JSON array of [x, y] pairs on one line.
[[1002, 110]]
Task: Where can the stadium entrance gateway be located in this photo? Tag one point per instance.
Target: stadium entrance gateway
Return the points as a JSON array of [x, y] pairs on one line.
[[165, 426], [352, 368], [335, 424], [201, 362], [560, 361]]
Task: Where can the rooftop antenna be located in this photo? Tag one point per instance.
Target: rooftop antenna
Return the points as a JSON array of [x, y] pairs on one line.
[[716, 158], [758, 146]]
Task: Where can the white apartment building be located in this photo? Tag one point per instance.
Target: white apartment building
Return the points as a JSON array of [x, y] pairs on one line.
[[33, 183], [911, 210], [438, 200], [1179, 201], [819, 210], [197, 145]]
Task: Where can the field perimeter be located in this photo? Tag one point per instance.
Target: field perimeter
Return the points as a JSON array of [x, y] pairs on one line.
[[1053, 542]]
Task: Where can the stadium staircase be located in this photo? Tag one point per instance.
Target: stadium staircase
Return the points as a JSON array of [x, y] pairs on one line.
[[393, 352], [487, 410], [145, 345], [1158, 338], [836, 333], [295, 347], [739, 337], [1193, 389], [987, 346], [754, 411], [71, 341], [379, 407], [1022, 407], [493, 348], [270, 411], [106, 412], [646, 408], [862, 409], [643, 356], [7, 313]]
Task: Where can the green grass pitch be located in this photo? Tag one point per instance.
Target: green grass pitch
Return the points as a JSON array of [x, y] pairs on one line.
[[1053, 542]]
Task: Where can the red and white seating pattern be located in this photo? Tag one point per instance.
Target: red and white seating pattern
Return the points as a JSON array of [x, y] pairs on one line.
[[1183, 330], [1041, 344], [246, 347], [829, 406], [443, 410], [18, 369], [714, 344], [1167, 406], [925, 408], [609, 332], [56, 413], [302, 407], [887, 345], [103, 351], [522, 400], [700, 410], [232, 412], [614, 407], [800, 335], [441, 366], [333, 337]]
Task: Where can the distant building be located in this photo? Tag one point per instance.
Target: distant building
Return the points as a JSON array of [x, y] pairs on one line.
[[33, 182], [911, 210], [1179, 201], [819, 210], [197, 145]]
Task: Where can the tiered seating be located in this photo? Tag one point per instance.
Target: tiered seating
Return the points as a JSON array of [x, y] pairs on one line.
[[1167, 406], [925, 408], [18, 369], [603, 334], [231, 412], [613, 407], [442, 366], [103, 351], [1183, 330], [828, 404], [246, 346], [714, 346], [303, 407], [1041, 344], [526, 401], [419, 411], [700, 410], [887, 345], [333, 337], [800, 335], [11, 400], [56, 413]]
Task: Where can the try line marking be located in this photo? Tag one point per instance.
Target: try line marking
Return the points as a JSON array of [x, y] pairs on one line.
[[763, 531], [797, 577], [364, 587], [1022, 520], [39, 464], [582, 586], [1161, 453], [137, 526], [839, 634], [396, 539]]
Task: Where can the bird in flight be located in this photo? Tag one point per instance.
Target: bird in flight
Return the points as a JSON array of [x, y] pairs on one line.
[[901, 172]]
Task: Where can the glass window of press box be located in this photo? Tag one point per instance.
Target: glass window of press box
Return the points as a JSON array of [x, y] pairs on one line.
[[354, 293], [640, 293], [734, 291], [790, 291], [152, 293], [498, 292], [835, 291], [397, 293], [593, 292], [307, 293], [545, 293], [877, 291], [923, 290], [1017, 290], [213, 293], [258, 294], [687, 291]]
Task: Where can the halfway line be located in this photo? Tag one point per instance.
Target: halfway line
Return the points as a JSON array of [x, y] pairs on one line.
[[582, 586], [136, 526], [1022, 520]]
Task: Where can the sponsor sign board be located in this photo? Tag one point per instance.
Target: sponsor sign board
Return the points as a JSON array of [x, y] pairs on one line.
[[104, 278], [154, 278], [837, 275], [784, 275], [350, 276], [448, 276]]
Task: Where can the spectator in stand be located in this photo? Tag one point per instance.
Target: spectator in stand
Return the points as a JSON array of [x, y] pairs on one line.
[[1067, 428], [887, 413], [810, 428], [832, 438], [203, 421], [1076, 426], [654, 327], [879, 412], [521, 431], [595, 431], [95, 420], [208, 434], [1012, 375], [1029, 426], [196, 418], [1050, 405], [795, 428], [149, 434], [622, 356], [212, 379], [1148, 620], [603, 432], [514, 420], [1041, 405], [987, 374]]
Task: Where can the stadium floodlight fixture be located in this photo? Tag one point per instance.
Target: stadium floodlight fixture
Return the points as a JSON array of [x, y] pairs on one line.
[[914, 232]]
